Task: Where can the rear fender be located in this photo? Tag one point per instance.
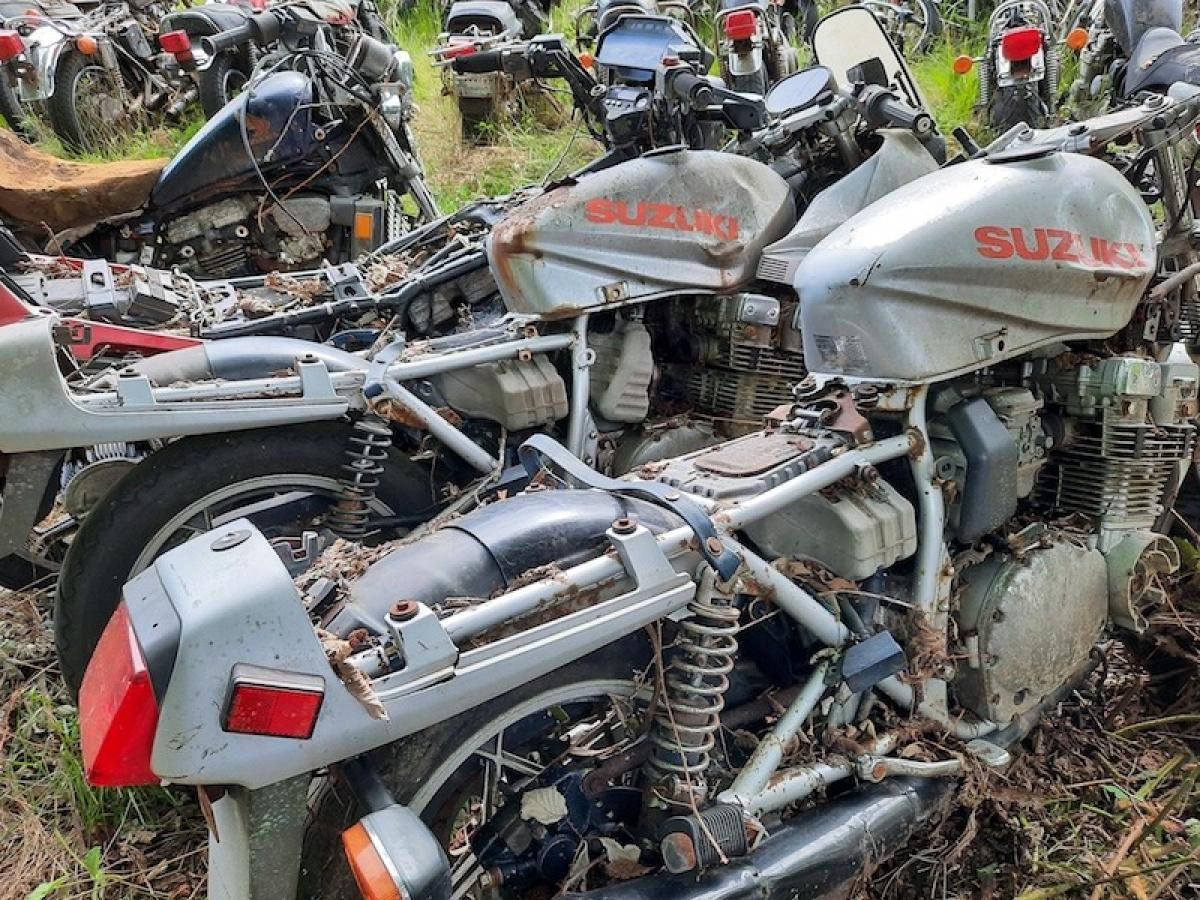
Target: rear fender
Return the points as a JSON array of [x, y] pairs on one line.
[[46, 45], [237, 605]]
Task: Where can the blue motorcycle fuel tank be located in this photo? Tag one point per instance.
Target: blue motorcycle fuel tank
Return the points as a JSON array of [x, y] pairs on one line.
[[215, 162]]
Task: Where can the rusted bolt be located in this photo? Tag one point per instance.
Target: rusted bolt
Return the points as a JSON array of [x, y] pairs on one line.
[[879, 771], [230, 540], [714, 545], [868, 473], [357, 638], [624, 525], [404, 610]]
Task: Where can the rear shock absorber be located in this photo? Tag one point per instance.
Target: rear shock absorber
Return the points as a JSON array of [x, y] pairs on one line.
[[1053, 73], [686, 722], [365, 451]]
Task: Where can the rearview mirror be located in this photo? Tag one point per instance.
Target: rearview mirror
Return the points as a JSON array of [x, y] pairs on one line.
[[852, 43], [799, 91]]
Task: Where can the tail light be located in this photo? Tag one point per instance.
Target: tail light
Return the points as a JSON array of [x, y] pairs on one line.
[[454, 51], [118, 712], [12, 45], [370, 870], [1021, 44], [175, 42], [273, 703], [12, 309], [741, 24]]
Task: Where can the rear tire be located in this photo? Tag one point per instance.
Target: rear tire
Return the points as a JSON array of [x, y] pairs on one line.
[[75, 110], [13, 111], [417, 769], [478, 116], [1012, 106], [107, 548]]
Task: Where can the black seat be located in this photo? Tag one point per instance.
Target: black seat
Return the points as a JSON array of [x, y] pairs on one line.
[[1161, 58]]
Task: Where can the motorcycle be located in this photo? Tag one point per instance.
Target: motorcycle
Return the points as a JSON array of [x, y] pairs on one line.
[[95, 70], [598, 687], [475, 25], [913, 25], [16, 114], [755, 44], [1019, 71], [1126, 48], [475, 354], [309, 164]]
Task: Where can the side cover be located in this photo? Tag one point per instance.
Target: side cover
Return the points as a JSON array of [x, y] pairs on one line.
[[672, 222], [975, 264]]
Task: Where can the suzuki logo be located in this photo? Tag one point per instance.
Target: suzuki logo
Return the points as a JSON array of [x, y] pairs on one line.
[[661, 215], [1058, 245]]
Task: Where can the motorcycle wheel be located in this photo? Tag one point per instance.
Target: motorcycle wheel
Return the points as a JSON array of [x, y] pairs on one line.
[[478, 116], [193, 485], [88, 105], [223, 80], [454, 770], [14, 113], [750, 84], [1014, 105]]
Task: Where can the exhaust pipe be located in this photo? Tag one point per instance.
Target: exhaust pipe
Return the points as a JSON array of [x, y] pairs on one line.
[[819, 854]]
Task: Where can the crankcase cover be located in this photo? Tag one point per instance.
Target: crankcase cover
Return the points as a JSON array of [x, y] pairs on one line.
[[1029, 625], [974, 264], [672, 222]]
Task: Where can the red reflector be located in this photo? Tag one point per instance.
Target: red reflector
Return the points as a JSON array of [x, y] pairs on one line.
[[273, 708], [175, 42], [741, 24], [454, 51], [1021, 44], [118, 713], [12, 45]]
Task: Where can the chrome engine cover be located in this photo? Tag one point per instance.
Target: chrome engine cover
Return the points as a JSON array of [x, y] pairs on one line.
[[1028, 624]]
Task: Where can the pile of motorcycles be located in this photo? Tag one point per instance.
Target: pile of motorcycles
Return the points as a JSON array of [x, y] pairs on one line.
[[623, 536]]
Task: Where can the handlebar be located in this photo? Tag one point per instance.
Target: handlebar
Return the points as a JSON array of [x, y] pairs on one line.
[[883, 109], [478, 63], [261, 28], [692, 89]]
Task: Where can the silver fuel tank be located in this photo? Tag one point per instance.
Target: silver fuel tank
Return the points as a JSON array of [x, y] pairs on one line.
[[671, 222], [975, 264]]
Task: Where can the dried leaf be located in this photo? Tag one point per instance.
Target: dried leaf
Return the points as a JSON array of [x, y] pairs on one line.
[[624, 860], [545, 805]]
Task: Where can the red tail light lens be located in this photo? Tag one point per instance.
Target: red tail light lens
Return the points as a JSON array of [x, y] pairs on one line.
[[1021, 44], [741, 24], [454, 51], [175, 42], [272, 703], [12, 45], [118, 713]]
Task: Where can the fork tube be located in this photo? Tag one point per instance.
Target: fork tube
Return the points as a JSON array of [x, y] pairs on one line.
[[581, 361]]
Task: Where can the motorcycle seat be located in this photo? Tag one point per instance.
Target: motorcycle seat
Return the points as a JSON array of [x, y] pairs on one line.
[[1162, 57], [40, 192]]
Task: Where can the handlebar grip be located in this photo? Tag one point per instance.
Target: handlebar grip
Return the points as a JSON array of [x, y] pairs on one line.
[[885, 110], [261, 28], [692, 89], [227, 40], [478, 63]]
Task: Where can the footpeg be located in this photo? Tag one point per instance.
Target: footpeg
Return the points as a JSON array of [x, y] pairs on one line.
[[694, 842]]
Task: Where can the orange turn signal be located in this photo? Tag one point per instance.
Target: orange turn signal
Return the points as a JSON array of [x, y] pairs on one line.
[[1077, 39], [364, 226], [963, 65], [370, 872], [86, 44], [586, 60]]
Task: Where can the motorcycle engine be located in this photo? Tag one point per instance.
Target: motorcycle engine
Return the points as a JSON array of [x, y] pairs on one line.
[[233, 237]]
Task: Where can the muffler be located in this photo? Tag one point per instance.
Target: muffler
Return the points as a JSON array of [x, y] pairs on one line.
[[819, 854]]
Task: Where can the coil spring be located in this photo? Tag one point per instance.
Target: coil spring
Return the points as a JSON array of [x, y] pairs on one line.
[[1053, 73], [366, 450], [686, 721], [985, 83]]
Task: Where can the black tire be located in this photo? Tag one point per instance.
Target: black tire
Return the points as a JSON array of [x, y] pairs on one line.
[[114, 534], [220, 83], [478, 116], [1012, 106], [750, 84], [407, 765], [64, 108], [14, 113]]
